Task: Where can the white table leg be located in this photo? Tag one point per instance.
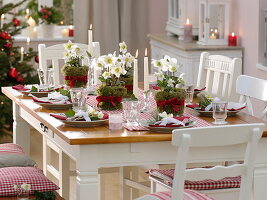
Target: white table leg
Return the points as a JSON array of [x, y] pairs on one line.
[[21, 130]]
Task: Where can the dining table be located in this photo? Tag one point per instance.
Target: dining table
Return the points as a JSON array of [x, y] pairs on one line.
[[98, 147]]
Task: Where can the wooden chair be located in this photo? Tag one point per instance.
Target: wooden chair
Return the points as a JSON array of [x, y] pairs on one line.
[[243, 138], [250, 87], [55, 54], [218, 74]]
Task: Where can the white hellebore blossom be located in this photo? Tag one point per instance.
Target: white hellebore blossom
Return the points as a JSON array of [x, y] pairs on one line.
[[100, 115], [123, 47], [68, 46], [98, 64], [165, 115], [26, 187], [173, 68], [108, 60], [117, 70], [170, 82], [106, 75], [157, 63], [159, 75]]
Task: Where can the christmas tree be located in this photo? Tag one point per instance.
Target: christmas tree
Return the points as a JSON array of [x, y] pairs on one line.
[[13, 70]]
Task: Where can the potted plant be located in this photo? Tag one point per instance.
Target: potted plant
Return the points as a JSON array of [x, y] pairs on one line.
[[49, 16], [170, 97], [75, 74], [114, 70]]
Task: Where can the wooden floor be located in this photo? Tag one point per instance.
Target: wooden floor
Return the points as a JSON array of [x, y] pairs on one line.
[[111, 180]]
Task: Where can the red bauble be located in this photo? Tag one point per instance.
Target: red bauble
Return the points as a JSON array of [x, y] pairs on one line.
[[12, 54], [16, 22], [13, 72], [8, 45], [36, 59], [49, 13], [5, 36], [20, 79], [44, 10], [45, 16]]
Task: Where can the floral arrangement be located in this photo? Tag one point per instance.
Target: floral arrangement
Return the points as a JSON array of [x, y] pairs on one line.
[[90, 115], [49, 15], [115, 68], [170, 98], [116, 76], [75, 74]]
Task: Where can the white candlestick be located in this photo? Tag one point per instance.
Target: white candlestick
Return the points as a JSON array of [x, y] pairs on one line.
[[21, 54], [90, 40], [28, 43], [146, 72], [2, 20], [135, 76]]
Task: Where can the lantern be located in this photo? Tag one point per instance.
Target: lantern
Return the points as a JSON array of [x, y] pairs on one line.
[[214, 17]]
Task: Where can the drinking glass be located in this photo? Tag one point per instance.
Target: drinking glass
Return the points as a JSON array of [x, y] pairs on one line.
[[78, 98], [219, 112], [147, 103], [115, 121], [45, 78], [131, 112], [189, 89]]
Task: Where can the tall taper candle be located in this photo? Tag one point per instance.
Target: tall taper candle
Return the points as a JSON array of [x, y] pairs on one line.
[[90, 39], [2, 20], [146, 72], [28, 43], [21, 54], [135, 75]]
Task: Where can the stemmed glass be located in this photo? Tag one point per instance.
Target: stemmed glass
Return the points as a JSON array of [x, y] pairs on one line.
[[219, 109]]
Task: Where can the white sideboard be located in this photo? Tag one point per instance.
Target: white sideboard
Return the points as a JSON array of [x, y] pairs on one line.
[[187, 54]]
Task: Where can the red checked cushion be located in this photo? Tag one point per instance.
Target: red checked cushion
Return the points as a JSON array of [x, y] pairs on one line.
[[166, 175], [10, 176], [10, 148], [166, 195]]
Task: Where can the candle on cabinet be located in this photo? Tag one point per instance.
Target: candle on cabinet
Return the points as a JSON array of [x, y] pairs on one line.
[[232, 39], [216, 33], [212, 36], [31, 22], [21, 54], [146, 72], [188, 37], [65, 32], [135, 75], [27, 13], [71, 31], [34, 33], [28, 43], [2, 20]]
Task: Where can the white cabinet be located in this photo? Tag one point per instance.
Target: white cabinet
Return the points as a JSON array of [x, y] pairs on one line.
[[178, 12], [187, 54]]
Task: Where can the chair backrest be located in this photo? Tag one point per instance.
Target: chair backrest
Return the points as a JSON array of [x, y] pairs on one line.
[[218, 74], [251, 87], [55, 54], [222, 137]]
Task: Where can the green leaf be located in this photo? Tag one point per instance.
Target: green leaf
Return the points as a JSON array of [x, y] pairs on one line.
[[89, 54], [64, 92], [70, 113], [34, 89]]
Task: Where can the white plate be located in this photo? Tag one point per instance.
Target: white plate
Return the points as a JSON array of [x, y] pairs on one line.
[[51, 106]]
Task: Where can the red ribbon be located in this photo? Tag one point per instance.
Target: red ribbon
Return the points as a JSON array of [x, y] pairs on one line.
[[129, 87], [73, 79], [174, 102], [109, 99]]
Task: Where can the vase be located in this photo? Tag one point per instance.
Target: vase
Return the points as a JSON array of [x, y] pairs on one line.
[[110, 97], [172, 102], [47, 30], [75, 77]]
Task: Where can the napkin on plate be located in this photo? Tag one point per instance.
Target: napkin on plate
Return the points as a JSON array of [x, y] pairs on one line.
[[234, 106], [170, 122], [20, 87], [60, 116]]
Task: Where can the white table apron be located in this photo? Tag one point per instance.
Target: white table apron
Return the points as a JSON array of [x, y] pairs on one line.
[[89, 158]]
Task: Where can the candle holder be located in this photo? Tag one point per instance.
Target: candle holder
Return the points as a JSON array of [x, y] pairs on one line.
[[214, 19]]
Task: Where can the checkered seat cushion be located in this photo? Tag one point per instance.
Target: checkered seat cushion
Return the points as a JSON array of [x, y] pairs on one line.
[[10, 148], [188, 195], [166, 176]]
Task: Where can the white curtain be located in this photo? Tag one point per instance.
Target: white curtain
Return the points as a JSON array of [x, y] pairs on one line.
[[114, 21]]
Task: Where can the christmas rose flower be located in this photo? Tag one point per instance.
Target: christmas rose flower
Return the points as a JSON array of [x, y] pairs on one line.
[[170, 82], [172, 68], [157, 63], [117, 70], [123, 47], [165, 115], [16, 22], [106, 75]]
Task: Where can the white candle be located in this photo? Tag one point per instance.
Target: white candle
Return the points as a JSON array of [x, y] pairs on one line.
[[27, 13], [21, 54], [31, 22], [90, 39], [188, 37], [34, 33], [135, 76], [2, 20], [212, 36], [146, 72], [28, 42], [65, 32]]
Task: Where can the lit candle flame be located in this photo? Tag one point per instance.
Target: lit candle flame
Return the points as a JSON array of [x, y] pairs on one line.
[[146, 52], [216, 31], [136, 53], [28, 40], [34, 29], [61, 22], [91, 26], [212, 35], [233, 34], [187, 21], [71, 27]]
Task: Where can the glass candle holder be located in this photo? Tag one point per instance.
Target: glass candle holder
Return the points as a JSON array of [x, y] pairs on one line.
[[189, 89], [219, 112], [45, 78], [115, 121], [78, 98]]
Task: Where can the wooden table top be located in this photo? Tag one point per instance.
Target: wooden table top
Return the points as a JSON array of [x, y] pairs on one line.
[[102, 135]]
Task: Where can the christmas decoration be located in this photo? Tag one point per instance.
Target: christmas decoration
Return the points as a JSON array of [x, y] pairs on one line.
[[13, 70]]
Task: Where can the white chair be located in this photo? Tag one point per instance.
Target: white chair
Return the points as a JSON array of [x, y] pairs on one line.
[[243, 138], [218, 74], [55, 54], [250, 87]]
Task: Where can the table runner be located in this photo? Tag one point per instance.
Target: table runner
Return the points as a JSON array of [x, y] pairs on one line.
[[91, 100]]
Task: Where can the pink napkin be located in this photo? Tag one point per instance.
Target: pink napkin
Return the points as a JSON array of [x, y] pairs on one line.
[[19, 87], [232, 109], [38, 100], [58, 116]]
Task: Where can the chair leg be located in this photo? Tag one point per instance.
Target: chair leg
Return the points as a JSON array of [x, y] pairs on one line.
[[125, 191]]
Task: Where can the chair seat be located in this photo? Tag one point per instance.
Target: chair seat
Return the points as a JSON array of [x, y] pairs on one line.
[[166, 176], [166, 195]]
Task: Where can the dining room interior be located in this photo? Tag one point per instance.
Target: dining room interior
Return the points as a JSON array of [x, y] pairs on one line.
[[133, 99]]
